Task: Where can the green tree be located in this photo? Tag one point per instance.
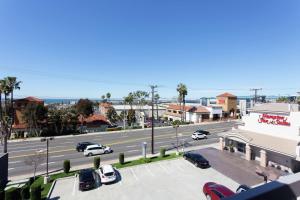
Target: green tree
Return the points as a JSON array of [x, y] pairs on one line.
[[108, 95], [131, 117], [85, 107], [35, 115], [282, 100], [8, 86], [103, 99], [182, 90], [112, 115], [129, 99]]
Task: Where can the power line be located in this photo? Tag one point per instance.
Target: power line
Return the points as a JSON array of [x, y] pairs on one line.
[[255, 93]]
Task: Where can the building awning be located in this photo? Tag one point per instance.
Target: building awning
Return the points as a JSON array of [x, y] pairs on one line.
[[264, 141]]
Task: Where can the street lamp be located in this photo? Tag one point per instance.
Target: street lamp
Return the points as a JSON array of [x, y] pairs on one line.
[[47, 139], [176, 128]]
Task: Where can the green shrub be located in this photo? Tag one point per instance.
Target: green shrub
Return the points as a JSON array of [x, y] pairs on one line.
[[145, 160], [231, 149], [121, 158], [25, 193], [35, 193], [162, 152], [12, 194], [67, 166], [96, 162]]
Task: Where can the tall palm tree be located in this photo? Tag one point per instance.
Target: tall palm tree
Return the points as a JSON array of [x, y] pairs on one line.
[[129, 99], [108, 95], [182, 90], [2, 85], [103, 98], [11, 84]]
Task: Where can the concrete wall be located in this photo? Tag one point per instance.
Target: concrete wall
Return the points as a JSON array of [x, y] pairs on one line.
[[3, 169]]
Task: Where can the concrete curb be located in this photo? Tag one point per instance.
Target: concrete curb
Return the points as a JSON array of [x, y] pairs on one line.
[[111, 132], [53, 185]]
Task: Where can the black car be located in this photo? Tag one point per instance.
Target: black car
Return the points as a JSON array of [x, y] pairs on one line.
[[203, 131], [197, 159], [87, 179], [82, 145]]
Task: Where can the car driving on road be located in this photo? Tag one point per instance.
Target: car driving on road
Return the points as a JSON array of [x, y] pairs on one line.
[[87, 179], [197, 159], [214, 191], [107, 174], [202, 131], [198, 136], [82, 145], [96, 150]]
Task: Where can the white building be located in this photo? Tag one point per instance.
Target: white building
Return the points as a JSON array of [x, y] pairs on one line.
[[195, 114], [270, 135]]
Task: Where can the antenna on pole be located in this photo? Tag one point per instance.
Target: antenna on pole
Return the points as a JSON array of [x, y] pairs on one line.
[[152, 118], [255, 93]]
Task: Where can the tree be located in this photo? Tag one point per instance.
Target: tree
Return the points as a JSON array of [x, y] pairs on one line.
[[103, 98], [7, 116], [282, 100], [182, 90], [35, 115], [108, 95], [129, 99], [131, 117], [112, 115], [85, 107], [35, 160]]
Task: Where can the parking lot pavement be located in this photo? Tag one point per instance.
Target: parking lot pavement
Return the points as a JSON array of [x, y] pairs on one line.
[[172, 179]]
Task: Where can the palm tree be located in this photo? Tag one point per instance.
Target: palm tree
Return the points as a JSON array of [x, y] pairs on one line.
[[129, 99], [2, 85], [10, 84], [108, 95], [182, 90], [103, 98]]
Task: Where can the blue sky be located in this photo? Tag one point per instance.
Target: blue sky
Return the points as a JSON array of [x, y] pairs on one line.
[[61, 48]]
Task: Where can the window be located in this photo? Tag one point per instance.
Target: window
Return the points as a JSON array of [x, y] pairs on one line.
[[218, 194], [180, 112], [174, 111]]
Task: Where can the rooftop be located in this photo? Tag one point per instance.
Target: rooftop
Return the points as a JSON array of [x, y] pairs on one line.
[[276, 107], [226, 94]]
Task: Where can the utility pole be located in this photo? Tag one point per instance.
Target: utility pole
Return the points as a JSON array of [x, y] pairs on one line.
[[255, 93], [152, 118], [47, 139]]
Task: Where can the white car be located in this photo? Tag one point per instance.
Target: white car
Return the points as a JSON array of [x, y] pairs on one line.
[[199, 136], [107, 174], [96, 149]]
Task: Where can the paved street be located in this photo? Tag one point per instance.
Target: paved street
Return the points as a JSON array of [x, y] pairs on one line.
[[160, 181], [127, 142]]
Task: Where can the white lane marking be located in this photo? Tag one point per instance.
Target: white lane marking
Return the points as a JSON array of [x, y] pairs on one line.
[[148, 170], [13, 162], [57, 156], [131, 146], [74, 187], [132, 151], [67, 143], [134, 175], [49, 163], [10, 169]]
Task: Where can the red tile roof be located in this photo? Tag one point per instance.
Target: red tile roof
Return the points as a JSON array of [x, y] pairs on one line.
[[93, 118], [201, 109], [178, 107], [226, 94], [31, 99]]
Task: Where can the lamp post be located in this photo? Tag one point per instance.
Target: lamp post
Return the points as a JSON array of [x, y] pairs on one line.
[[176, 128], [47, 139]]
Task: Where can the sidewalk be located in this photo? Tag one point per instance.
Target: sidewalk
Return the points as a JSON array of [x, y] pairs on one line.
[[111, 132], [15, 179]]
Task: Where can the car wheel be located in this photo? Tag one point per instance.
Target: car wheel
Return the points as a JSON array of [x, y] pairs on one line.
[[106, 152], [184, 157], [208, 197], [196, 165], [90, 154]]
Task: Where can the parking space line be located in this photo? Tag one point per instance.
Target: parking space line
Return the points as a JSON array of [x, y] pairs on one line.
[[148, 170], [134, 175], [74, 187]]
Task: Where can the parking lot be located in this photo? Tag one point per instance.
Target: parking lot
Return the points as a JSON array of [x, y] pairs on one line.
[[173, 179]]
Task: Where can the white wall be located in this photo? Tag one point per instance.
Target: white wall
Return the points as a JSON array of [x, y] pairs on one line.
[[288, 132]]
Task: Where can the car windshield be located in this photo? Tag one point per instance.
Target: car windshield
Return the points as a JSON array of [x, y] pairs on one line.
[[109, 174], [85, 176]]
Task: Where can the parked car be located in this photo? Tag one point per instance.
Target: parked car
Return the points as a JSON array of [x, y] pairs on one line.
[[197, 159], [202, 131], [96, 149], [242, 188], [107, 174], [82, 145], [87, 179], [198, 136], [214, 191]]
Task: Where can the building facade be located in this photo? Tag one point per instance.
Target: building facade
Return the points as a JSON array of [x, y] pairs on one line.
[[228, 102], [270, 135]]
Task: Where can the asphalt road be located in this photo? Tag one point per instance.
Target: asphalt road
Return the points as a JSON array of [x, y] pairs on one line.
[[129, 143]]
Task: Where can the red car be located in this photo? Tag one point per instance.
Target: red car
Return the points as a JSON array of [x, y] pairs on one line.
[[214, 191]]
